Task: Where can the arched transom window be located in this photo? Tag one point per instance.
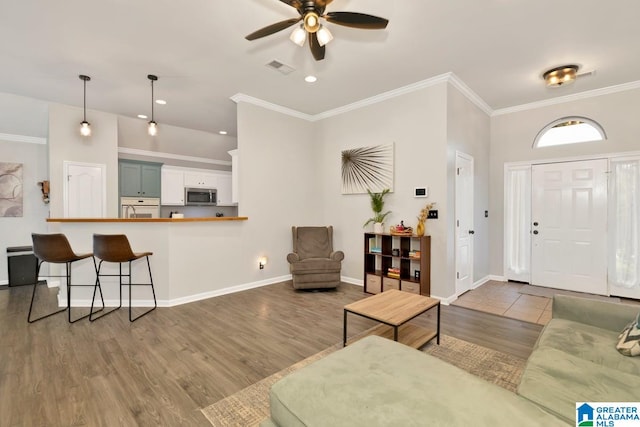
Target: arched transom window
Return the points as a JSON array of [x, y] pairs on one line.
[[569, 130]]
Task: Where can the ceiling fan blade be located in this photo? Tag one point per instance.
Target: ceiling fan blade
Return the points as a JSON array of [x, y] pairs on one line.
[[273, 28], [357, 20], [294, 3], [316, 50]]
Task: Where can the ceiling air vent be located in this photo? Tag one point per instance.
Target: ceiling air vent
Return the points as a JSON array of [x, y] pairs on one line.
[[280, 67]]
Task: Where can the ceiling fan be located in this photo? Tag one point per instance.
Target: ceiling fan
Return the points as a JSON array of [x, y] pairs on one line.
[[310, 13]]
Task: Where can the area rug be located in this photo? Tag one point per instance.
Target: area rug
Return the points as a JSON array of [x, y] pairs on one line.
[[250, 406], [541, 291]]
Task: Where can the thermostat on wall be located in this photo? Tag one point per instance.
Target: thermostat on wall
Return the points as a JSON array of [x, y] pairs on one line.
[[421, 192]]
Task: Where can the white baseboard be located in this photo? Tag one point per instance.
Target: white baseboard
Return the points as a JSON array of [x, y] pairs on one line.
[[445, 300], [4, 282], [480, 282], [182, 300], [497, 278], [358, 282]]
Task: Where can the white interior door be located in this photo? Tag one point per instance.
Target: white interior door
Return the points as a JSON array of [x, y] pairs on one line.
[[569, 219], [464, 222], [84, 190]]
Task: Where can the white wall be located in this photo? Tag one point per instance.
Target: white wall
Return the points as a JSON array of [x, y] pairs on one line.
[[416, 124], [16, 231], [512, 138], [468, 131], [279, 186], [25, 117], [66, 143]]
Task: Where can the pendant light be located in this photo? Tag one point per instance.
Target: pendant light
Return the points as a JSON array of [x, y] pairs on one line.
[[85, 127], [153, 126]]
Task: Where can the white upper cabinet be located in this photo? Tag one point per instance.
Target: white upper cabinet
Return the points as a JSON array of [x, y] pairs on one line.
[[172, 187], [200, 180]]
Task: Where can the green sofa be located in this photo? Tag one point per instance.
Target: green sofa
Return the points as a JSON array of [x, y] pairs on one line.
[[575, 359], [378, 382]]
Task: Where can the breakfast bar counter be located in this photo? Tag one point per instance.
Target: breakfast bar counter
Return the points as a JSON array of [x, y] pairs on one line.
[[206, 219], [193, 258]]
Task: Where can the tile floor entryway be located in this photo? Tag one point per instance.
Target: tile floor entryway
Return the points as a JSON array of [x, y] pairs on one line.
[[504, 299]]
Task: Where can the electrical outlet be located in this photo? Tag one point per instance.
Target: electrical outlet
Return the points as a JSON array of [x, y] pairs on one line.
[[433, 214]]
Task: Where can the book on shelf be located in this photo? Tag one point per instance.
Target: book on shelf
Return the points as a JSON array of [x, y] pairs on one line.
[[393, 275], [376, 250], [393, 272]]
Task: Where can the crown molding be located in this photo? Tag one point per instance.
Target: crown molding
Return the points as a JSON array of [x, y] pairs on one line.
[[422, 84], [451, 78], [241, 97], [22, 138], [146, 153], [568, 98], [471, 95]]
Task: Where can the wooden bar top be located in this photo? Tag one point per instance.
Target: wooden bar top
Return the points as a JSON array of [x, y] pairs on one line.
[[206, 219]]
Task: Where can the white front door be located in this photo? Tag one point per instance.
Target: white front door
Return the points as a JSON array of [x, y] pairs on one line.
[[464, 222], [568, 223], [84, 190]]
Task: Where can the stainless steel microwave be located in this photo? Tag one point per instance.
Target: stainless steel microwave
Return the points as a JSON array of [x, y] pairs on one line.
[[200, 196]]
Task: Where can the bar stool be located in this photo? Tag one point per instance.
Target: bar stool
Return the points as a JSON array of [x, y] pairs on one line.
[[55, 249], [116, 248]]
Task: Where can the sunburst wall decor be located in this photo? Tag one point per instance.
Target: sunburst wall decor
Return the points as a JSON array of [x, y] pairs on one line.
[[367, 168]]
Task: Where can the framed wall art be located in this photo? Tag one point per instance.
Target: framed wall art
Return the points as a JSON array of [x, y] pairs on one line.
[[10, 189], [367, 168]]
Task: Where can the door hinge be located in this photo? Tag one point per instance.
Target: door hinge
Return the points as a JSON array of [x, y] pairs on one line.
[[457, 223], [458, 171], [457, 275]]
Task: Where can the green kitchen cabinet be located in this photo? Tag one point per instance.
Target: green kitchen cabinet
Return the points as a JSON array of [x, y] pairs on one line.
[[139, 179]]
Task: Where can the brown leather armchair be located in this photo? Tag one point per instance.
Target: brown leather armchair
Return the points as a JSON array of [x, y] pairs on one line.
[[313, 263]]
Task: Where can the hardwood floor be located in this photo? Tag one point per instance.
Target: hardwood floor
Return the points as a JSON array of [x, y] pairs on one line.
[[163, 368]]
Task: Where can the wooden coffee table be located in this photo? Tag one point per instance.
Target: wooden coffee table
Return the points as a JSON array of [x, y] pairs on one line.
[[394, 309]]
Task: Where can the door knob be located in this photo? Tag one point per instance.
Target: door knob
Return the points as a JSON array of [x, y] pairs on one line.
[[472, 232], [535, 231]]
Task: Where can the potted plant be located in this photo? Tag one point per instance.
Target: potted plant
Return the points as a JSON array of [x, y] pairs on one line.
[[377, 205]]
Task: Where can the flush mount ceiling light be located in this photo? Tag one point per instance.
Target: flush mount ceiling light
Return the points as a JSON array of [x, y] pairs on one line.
[[560, 76], [153, 126], [310, 79], [85, 127], [311, 11]]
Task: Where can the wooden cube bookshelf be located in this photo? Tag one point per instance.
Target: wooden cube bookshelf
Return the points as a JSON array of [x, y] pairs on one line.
[[379, 257]]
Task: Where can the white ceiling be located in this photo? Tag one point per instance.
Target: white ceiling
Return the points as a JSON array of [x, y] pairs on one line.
[[499, 48]]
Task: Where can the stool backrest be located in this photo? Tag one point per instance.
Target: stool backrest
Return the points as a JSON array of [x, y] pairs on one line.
[[52, 248], [112, 247]]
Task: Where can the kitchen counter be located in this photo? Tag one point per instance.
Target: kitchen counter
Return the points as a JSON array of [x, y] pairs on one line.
[[191, 257], [209, 219]]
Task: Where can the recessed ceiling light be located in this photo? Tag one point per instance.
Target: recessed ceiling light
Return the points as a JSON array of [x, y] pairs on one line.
[[161, 101], [223, 132], [310, 79], [142, 116]]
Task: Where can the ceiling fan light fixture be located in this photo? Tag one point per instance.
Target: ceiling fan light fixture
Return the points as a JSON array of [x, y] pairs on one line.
[[153, 126], [298, 36], [560, 76], [324, 35], [85, 127], [311, 22]]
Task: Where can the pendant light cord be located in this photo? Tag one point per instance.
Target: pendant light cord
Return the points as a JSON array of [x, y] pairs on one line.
[[85, 100], [152, 100]]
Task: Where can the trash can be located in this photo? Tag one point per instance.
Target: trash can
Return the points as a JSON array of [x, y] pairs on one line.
[[22, 265]]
